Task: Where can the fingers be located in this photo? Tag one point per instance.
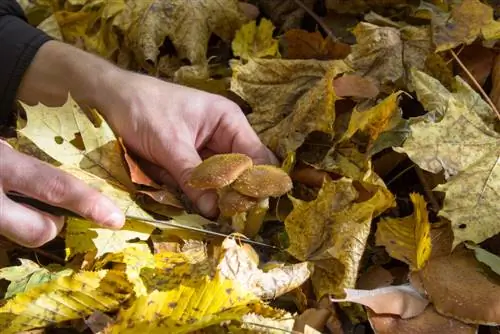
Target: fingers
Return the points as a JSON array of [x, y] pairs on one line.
[[27, 226], [235, 134], [180, 162], [37, 179]]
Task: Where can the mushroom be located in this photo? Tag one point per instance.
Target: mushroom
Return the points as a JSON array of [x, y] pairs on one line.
[[243, 189]]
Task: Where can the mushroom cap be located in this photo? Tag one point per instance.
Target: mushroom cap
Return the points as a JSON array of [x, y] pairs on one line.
[[232, 202], [263, 181], [219, 170]]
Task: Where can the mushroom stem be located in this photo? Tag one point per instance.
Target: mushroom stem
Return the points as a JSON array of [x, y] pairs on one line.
[[255, 218]]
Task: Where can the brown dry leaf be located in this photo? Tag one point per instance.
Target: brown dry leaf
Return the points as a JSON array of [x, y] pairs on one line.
[[301, 44], [360, 6], [467, 21], [460, 287], [187, 24], [429, 322], [163, 196], [331, 231], [137, 175], [495, 78], [240, 263], [441, 239], [456, 136], [402, 300], [374, 277], [479, 62], [289, 98], [407, 239], [355, 86]]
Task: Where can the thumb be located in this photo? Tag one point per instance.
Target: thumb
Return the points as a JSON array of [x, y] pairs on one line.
[[180, 164]]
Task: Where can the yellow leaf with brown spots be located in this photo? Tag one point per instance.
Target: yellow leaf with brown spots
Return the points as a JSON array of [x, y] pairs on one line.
[[408, 239], [331, 231], [467, 21], [252, 41], [65, 298]]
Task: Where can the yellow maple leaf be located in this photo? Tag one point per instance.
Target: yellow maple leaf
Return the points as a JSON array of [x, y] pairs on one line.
[[467, 21], [331, 231], [289, 98], [65, 298], [251, 41], [457, 137], [407, 239], [188, 307]]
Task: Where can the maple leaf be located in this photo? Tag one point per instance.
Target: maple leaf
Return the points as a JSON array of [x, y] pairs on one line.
[[407, 239], [251, 41], [331, 231], [466, 148], [289, 98], [467, 21], [28, 275], [301, 44], [187, 24], [65, 298]]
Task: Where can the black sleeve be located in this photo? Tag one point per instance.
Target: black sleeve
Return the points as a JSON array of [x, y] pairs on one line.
[[19, 42]]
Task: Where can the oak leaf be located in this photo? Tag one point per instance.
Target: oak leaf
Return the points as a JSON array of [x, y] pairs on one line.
[[331, 231], [289, 98], [252, 41], [65, 298], [456, 137], [407, 239], [29, 275]]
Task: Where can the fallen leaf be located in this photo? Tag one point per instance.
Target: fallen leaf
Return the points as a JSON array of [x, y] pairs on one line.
[[408, 239], [468, 20], [148, 23], [331, 231], [441, 239], [65, 298], [428, 322], [289, 98], [479, 62], [495, 78], [374, 277], [285, 14], [136, 174], [163, 196], [97, 321], [355, 86], [257, 323], [455, 138], [315, 318], [28, 275], [490, 259], [251, 41], [356, 7], [238, 264], [301, 44], [459, 288], [402, 300]]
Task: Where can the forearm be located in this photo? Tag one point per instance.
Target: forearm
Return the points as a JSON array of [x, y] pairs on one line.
[[58, 69]]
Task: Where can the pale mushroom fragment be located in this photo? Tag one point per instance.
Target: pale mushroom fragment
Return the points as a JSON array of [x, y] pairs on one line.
[[219, 170]]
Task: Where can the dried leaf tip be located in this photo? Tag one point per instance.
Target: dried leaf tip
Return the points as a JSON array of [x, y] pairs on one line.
[[219, 170], [263, 181]]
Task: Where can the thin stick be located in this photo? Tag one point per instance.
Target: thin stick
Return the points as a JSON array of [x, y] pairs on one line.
[[421, 176], [318, 19], [478, 86]]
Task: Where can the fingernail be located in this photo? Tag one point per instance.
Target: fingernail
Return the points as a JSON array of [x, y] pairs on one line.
[[207, 204], [115, 220]]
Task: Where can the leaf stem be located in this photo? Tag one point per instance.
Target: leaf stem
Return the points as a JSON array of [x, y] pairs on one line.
[[478, 86]]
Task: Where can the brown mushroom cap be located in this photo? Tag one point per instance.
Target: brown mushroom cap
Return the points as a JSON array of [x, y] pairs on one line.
[[232, 202], [263, 181], [219, 170]]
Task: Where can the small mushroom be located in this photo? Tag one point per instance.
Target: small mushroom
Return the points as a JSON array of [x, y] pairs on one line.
[[263, 181], [219, 170]]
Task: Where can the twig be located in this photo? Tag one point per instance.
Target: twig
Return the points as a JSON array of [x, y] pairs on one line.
[[318, 19], [48, 255], [478, 86], [400, 174], [432, 200]]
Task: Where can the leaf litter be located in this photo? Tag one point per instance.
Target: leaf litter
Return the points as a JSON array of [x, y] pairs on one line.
[[333, 89]]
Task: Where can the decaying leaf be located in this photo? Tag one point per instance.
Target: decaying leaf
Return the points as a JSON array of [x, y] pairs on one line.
[[408, 239], [495, 78], [459, 288], [28, 275], [301, 44], [401, 300], [490, 259], [238, 264], [468, 20], [460, 142], [428, 322], [331, 231], [65, 298], [289, 98], [252, 41]]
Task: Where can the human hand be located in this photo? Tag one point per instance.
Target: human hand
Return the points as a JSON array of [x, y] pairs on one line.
[[30, 227], [174, 127]]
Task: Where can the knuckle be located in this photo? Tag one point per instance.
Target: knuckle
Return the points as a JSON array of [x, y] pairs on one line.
[[90, 205], [55, 189], [37, 236]]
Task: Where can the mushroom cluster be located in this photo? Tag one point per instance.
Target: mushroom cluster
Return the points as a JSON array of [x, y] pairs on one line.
[[243, 188]]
